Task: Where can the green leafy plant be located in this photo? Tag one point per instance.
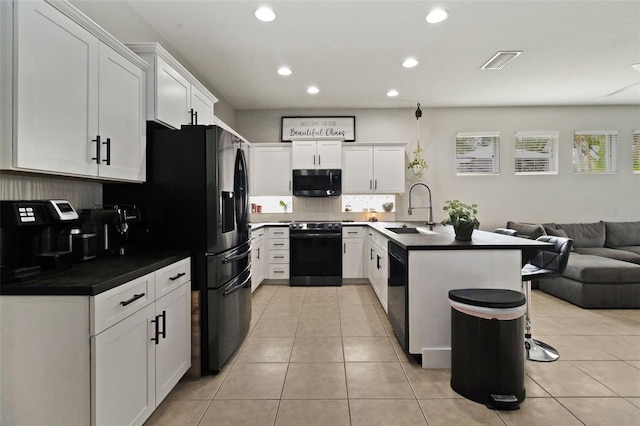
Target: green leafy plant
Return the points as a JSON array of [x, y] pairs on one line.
[[418, 164], [460, 213], [283, 205]]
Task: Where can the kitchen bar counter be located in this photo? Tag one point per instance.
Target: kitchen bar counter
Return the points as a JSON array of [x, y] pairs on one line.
[[95, 276]]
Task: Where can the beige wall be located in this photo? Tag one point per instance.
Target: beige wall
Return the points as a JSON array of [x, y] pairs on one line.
[[561, 198]]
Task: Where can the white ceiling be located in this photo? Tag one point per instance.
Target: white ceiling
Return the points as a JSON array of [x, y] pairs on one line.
[[574, 52]]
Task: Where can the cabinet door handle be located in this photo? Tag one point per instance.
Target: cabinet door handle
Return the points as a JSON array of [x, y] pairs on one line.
[[196, 115], [376, 185], [344, 247], [352, 232], [289, 185], [258, 253], [371, 254], [370, 183], [319, 162], [378, 262], [108, 144], [191, 114], [133, 299], [314, 159], [98, 146], [278, 244], [164, 325], [181, 274]]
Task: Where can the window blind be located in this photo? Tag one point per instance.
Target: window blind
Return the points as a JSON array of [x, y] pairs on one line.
[[595, 151], [478, 153], [636, 151], [536, 152]]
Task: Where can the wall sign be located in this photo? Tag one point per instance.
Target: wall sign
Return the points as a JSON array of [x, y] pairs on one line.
[[318, 128]]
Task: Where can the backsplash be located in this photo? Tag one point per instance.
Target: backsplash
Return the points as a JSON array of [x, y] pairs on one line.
[[81, 194]]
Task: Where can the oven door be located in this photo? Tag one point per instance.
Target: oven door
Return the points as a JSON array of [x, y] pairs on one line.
[[315, 258]]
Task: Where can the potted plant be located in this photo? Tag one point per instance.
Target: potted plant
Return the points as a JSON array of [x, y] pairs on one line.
[[462, 217], [418, 165]]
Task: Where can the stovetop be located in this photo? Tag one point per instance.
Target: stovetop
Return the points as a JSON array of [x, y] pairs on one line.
[[315, 226]]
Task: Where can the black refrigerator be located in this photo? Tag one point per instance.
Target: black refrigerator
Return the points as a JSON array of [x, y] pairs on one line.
[[196, 198]]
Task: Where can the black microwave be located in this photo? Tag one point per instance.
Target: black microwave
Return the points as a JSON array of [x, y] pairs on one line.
[[317, 182]]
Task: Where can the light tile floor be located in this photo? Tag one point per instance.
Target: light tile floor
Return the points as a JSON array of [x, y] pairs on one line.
[[326, 356]]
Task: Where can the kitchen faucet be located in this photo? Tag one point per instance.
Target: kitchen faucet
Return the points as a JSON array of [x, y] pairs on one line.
[[429, 221]]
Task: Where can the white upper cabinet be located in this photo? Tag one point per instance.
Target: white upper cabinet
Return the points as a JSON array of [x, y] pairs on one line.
[[201, 107], [373, 169], [316, 154], [270, 170], [78, 96], [174, 96], [121, 119]]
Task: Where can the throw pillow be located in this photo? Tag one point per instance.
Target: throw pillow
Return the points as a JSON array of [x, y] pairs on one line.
[[531, 230], [620, 234], [585, 234]]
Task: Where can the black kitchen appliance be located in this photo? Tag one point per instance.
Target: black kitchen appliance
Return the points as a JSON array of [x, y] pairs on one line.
[[196, 198], [398, 293], [112, 225], [315, 254], [35, 236], [317, 182]]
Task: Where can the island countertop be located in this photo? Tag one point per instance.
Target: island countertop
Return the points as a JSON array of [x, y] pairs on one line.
[[443, 238]]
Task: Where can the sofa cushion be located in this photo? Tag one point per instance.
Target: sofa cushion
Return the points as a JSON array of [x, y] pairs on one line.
[[625, 256], [531, 230], [597, 269], [634, 249], [555, 232], [622, 234], [585, 234]]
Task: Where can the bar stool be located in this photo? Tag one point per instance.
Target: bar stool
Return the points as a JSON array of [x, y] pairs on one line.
[[547, 263]]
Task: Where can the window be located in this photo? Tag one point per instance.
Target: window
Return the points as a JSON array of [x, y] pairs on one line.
[[595, 151], [536, 152], [636, 151], [478, 153]]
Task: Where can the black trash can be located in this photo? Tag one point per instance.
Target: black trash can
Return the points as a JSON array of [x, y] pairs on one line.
[[487, 346]]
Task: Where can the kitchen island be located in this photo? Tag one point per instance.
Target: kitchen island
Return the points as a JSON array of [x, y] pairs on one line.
[[418, 303]]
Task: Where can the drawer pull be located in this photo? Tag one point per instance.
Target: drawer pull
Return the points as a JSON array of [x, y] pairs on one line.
[[278, 257], [279, 272], [133, 299], [181, 274], [278, 244]]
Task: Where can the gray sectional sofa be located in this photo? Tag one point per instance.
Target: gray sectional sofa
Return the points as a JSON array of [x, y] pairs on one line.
[[604, 267]]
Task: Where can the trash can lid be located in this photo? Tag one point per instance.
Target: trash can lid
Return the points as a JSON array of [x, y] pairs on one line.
[[488, 297]]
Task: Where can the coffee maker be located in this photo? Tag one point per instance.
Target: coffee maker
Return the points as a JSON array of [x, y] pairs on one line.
[[113, 226], [35, 236]]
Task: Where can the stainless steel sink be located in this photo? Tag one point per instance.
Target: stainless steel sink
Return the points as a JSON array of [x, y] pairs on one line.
[[404, 230], [407, 230]]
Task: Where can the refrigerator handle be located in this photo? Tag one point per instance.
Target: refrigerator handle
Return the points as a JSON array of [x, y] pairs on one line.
[[233, 258], [237, 287]]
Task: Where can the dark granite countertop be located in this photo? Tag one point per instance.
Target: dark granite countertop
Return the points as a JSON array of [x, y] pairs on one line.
[[95, 276]]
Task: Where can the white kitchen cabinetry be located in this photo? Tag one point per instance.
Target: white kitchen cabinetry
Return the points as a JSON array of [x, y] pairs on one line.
[[373, 169], [100, 360], [174, 96], [353, 252], [270, 170], [258, 259], [316, 154], [378, 269], [278, 253], [78, 96]]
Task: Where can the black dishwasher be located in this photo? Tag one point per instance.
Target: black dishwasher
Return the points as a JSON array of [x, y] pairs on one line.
[[398, 295]]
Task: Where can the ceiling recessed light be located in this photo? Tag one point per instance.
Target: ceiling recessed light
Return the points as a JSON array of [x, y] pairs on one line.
[[313, 90], [437, 15], [391, 93], [410, 63], [265, 14], [284, 71]]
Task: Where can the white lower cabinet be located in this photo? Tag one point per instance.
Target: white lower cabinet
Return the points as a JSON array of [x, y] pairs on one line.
[[353, 252], [108, 359], [278, 253], [378, 269], [258, 258]]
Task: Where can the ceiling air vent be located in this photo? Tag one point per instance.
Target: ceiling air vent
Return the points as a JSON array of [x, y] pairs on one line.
[[499, 60]]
